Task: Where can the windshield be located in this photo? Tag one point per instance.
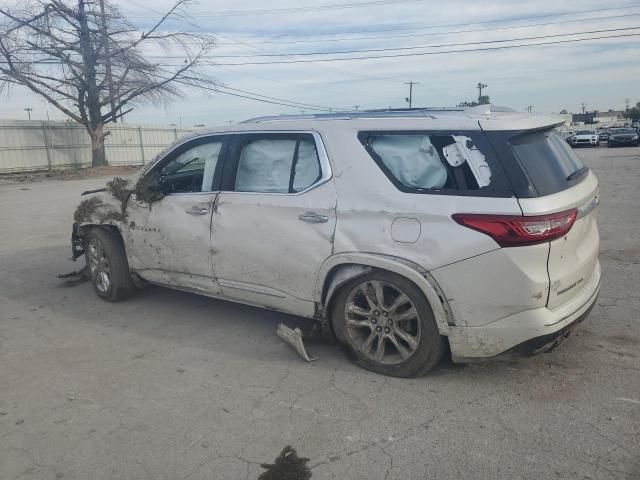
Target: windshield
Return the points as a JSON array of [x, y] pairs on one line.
[[548, 160], [619, 131], [586, 132]]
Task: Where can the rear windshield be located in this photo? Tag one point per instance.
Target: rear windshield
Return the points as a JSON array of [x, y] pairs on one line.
[[548, 161]]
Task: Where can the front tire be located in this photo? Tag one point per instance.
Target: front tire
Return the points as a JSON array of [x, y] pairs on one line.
[[108, 266], [385, 324]]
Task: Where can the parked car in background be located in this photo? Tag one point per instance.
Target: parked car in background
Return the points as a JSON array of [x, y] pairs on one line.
[[603, 135], [585, 138], [623, 136], [385, 226], [567, 135]]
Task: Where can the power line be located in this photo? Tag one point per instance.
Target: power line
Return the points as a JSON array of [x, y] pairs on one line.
[[465, 24], [300, 104], [263, 100], [409, 35], [419, 54], [317, 8], [417, 47], [413, 47]]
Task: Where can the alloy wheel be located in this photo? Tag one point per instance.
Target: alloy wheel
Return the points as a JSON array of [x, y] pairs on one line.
[[99, 265], [382, 322]]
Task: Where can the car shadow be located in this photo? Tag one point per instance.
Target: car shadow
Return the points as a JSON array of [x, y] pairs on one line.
[[187, 319]]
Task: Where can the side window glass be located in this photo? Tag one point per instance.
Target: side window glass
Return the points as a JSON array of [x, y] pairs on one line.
[[431, 162], [307, 170], [193, 169], [277, 165]]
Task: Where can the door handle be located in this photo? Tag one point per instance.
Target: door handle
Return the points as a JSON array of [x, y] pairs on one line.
[[313, 217], [197, 210]]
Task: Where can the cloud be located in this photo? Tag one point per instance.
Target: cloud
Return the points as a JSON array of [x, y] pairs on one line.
[[553, 77]]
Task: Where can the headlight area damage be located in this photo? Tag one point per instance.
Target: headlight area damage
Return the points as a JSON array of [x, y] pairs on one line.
[[108, 207], [112, 210]]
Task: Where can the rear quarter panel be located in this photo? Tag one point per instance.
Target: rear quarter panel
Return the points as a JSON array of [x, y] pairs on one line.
[[375, 217]]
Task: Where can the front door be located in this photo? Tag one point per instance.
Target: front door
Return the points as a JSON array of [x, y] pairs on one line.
[[169, 241], [273, 222]]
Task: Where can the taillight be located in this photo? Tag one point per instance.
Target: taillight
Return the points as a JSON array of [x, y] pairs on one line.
[[513, 231]]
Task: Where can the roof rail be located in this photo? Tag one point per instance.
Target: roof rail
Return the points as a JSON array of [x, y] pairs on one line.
[[426, 112]]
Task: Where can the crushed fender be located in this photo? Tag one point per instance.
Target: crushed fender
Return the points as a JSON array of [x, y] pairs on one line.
[[118, 188], [86, 208], [147, 188], [294, 338]]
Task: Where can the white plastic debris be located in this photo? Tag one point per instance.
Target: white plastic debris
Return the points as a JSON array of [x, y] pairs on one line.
[[294, 338]]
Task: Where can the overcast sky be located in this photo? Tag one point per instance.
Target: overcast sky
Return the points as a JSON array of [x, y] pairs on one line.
[[600, 73]]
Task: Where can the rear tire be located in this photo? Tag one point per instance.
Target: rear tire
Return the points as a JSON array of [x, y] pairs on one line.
[[108, 266], [385, 324]]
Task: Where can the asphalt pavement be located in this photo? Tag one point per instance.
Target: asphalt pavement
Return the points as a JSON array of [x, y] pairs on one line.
[[170, 385]]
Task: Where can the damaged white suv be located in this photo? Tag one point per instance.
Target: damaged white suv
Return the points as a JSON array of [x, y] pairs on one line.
[[407, 232]]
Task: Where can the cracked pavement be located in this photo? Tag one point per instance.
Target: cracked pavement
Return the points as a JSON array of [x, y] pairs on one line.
[[169, 385]]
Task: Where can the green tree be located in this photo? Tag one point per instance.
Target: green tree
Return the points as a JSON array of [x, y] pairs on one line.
[[484, 100], [633, 113]]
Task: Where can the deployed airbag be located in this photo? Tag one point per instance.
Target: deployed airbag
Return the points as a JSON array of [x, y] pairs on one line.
[[412, 159]]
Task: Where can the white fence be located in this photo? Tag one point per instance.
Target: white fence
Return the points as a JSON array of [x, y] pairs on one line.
[[36, 145]]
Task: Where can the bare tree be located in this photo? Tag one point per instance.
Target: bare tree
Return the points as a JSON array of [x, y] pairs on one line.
[[87, 60]]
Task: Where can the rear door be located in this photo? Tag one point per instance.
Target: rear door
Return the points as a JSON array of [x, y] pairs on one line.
[[559, 181], [274, 220]]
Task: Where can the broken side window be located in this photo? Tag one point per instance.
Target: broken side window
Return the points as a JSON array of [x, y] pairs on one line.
[[430, 162]]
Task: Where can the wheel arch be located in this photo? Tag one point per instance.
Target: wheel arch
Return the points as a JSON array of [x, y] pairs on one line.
[[84, 228], [79, 231], [338, 269]]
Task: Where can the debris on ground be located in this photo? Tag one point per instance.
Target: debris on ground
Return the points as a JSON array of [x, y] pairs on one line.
[[288, 466], [76, 278], [294, 338]]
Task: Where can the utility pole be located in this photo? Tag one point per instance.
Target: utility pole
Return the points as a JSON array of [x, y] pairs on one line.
[[356, 107], [409, 99], [480, 86], [107, 59], [28, 110], [583, 105], [626, 102]]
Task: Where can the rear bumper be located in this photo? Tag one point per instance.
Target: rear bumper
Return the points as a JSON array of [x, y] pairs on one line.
[[539, 329]]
